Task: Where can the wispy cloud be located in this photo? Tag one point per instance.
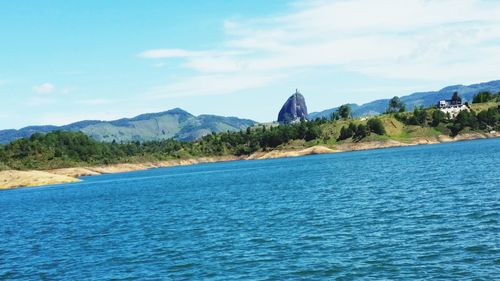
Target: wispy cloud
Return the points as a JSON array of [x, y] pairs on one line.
[[213, 84], [446, 40], [45, 88]]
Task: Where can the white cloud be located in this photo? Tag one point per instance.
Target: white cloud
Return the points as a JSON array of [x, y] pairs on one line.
[[45, 88], [213, 84], [447, 40]]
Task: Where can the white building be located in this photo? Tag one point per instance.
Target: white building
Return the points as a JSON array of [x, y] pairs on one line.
[[453, 106]]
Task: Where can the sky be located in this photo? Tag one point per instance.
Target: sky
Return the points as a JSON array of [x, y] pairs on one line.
[[63, 61]]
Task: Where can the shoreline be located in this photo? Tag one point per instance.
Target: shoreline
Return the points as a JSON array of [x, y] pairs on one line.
[[10, 179]]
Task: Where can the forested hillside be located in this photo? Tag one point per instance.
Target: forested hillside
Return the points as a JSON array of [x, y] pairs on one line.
[[68, 149]]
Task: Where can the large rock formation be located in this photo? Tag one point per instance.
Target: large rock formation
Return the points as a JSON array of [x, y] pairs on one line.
[[294, 109]]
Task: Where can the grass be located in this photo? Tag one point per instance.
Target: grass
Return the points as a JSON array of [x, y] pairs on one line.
[[395, 130], [477, 107]]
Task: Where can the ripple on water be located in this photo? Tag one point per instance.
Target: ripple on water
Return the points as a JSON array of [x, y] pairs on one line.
[[392, 214]]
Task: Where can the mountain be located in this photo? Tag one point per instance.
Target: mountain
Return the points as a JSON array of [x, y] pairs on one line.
[[175, 123], [416, 99], [294, 109]]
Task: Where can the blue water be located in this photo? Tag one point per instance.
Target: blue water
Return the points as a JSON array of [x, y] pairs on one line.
[[420, 213]]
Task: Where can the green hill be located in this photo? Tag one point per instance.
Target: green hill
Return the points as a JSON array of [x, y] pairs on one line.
[[69, 149], [425, 99], [175, 123]]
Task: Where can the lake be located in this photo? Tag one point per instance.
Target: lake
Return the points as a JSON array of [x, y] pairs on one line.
[[419, 213]]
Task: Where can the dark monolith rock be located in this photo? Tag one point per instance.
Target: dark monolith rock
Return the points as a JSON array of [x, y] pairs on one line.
[[294, 109]]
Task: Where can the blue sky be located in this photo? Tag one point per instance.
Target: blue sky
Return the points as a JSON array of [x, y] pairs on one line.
[[64, 61]]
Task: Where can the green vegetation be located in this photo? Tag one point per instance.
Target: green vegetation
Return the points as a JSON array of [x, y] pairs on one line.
[[175, 123], [347, 131], [344, 111], [485, 120], [486, 97], [376, 126], [70, 149], [396, 105], [360, 131]]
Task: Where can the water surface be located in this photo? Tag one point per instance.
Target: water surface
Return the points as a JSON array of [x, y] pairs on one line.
[[425, 212]]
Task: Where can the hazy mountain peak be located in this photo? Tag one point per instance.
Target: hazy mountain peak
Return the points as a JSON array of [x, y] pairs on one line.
[[174, 123]]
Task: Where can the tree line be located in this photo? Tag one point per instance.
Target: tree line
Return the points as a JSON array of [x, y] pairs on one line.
[[66, 149]]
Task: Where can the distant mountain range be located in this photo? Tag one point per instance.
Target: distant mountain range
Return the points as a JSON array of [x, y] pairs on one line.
[[416, 99], [182, 125], [175, 123]]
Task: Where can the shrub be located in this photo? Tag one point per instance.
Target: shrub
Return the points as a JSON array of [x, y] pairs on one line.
[[376, 126], [361, 132], [345, 133], [437, 117]]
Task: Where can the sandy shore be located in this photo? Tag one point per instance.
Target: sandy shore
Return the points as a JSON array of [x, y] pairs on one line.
[[14, 178]]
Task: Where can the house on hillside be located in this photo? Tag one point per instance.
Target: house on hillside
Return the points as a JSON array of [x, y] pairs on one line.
[[453, 106]]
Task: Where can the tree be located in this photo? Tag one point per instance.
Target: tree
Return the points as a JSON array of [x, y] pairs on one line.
[[361, 132], [376, 126], [455, 97], [464, 119], [396, 105], [313, 131], [345, 133], [437, 117], [344, 111], [353, 127], [334, 116], [2, 154], [419, 116], [483, 97], [488, 118]]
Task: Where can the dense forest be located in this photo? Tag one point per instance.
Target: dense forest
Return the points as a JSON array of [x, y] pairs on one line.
[[68, 149]]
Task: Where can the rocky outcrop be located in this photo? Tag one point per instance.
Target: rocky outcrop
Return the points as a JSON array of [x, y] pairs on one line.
[[294, 109]]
